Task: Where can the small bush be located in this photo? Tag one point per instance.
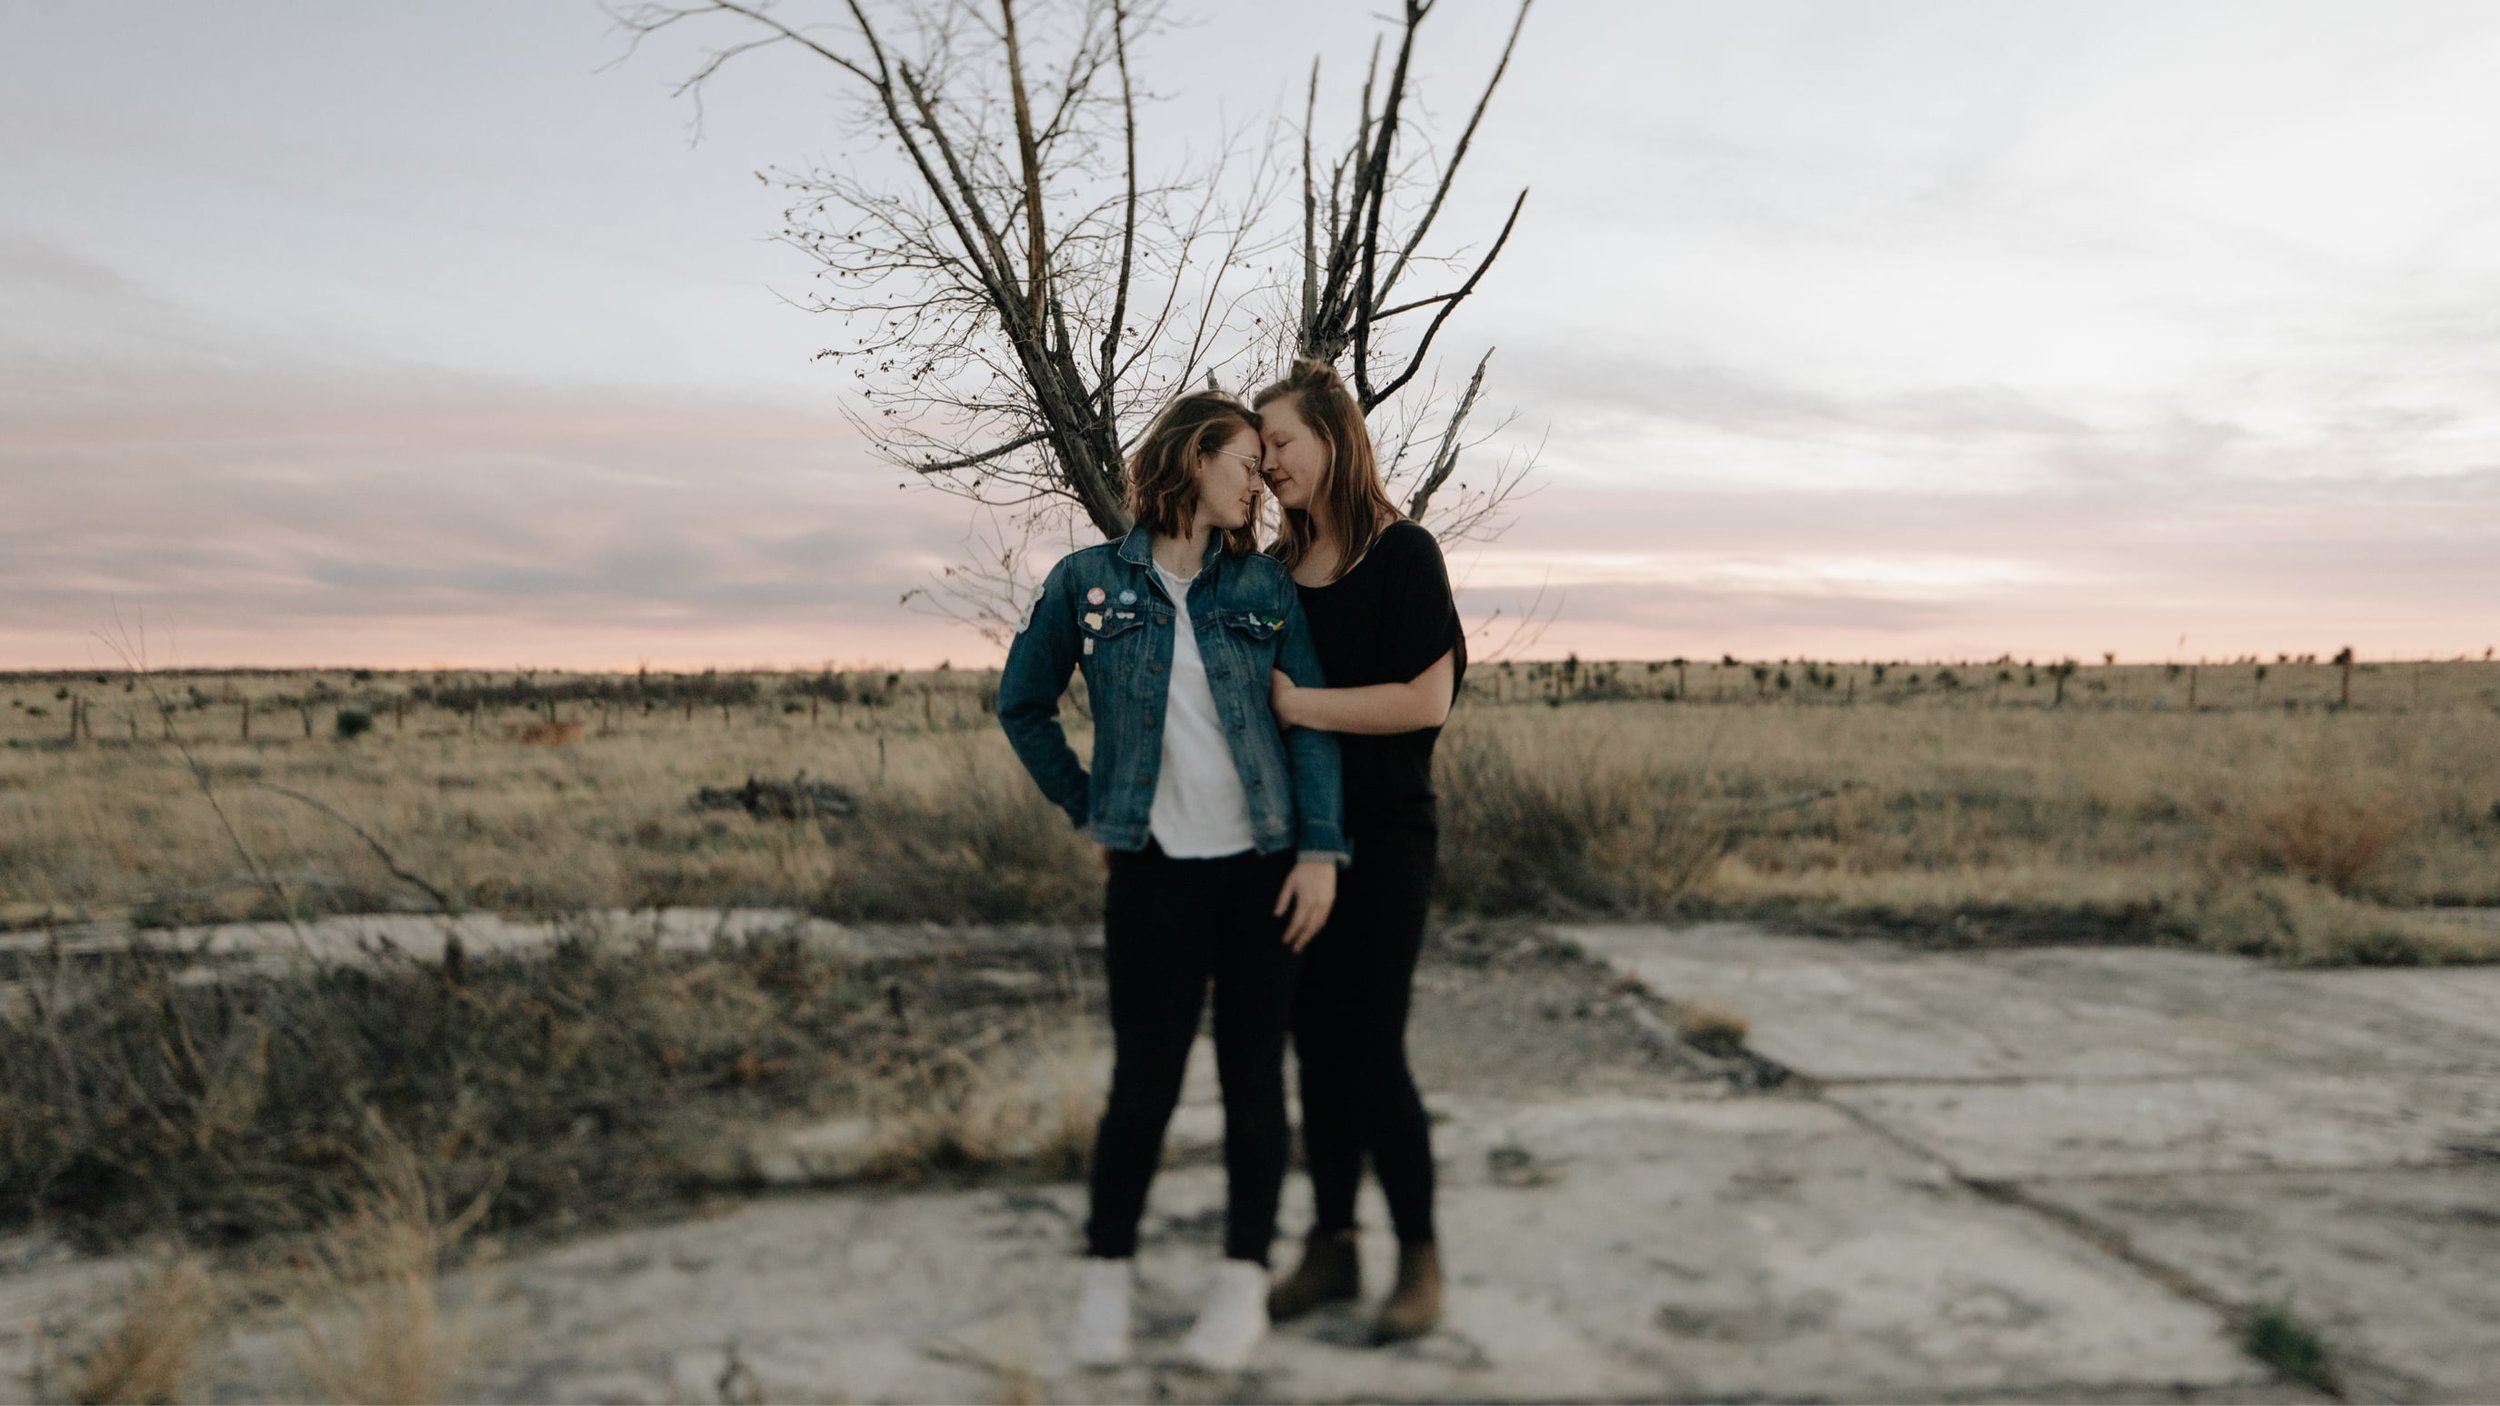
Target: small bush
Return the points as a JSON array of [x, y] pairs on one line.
[[353, 723], [2312, 833], [1713, 1030], [2280, 1340]]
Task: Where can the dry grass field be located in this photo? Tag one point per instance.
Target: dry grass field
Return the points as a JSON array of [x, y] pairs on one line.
[[331, 1136], [2301, 809]]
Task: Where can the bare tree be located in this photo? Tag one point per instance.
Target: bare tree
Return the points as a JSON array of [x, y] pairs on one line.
[[1020, 298]]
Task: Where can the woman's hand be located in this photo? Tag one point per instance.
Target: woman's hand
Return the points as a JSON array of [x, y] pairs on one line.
[[1281, 698], [1309, 892]]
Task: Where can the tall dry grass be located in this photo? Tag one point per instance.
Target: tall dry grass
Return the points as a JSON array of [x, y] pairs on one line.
[[147, 1353], [1028, 1103], [369, 1295], [346, 1105], [1561, 820], [141, 1099]]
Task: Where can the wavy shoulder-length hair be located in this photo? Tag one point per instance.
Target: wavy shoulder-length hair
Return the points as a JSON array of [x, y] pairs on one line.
[[1163, 468], [1349, 497]]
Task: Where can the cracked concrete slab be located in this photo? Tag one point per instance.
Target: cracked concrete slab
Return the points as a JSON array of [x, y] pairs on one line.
[[1623, 1248], [1858, 1010], [1661, 1237], [2395, 1269], [2053, 1128]]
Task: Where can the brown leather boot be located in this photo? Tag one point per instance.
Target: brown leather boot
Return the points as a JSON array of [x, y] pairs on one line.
[[1414, 1306], [1329, 1273]]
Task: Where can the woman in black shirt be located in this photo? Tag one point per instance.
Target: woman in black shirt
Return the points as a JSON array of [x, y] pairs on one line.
[[1377, 598]]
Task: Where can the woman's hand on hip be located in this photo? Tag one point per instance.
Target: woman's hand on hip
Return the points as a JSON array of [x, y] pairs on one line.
[[1281, 700], [1309, 892]]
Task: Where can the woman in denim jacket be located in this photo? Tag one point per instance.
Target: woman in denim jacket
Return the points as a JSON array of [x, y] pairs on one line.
[[1220, 833]]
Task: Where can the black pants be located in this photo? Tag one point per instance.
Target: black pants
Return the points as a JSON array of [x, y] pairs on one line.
[[1349, 1035], [1170, 928]]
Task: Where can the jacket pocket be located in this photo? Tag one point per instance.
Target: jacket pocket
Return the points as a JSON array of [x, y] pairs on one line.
[[1108, 625], [1105, 634], [1254, 626]]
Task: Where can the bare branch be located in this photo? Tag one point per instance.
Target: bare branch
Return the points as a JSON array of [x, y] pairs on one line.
[[1445, 458], [442, 901], [1374, 397], [969, 461], [1117, 324], [1375, 181], [1449, 173], [1036, 268]]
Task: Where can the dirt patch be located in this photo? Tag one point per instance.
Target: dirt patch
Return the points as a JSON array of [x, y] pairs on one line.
[[1504, 1011]]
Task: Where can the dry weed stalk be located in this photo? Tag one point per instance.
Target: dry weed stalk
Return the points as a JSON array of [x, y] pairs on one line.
[[165, 1317], [369, 1298], [967, 1107]]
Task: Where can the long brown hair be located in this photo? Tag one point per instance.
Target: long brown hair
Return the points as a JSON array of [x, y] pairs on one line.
[[1349, 496], [1163, 469]]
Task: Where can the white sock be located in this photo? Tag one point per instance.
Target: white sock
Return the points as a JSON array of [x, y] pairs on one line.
[[1099, 1336], [1234, 1320]]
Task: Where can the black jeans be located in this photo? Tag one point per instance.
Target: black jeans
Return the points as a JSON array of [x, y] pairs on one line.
[[1170, 928], [1349, 1035]]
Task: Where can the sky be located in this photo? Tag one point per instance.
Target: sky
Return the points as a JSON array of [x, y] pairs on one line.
[[431, 335]]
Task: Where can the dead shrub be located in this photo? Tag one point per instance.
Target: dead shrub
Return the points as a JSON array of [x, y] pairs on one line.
[[2306, 923], [2332, 836], [1594, 832], [544, 734]]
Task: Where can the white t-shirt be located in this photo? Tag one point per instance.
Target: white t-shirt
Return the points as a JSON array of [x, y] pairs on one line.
[[1200, 810]]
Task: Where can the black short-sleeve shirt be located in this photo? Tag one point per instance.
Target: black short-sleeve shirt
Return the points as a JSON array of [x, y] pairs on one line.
[[1386, 621]]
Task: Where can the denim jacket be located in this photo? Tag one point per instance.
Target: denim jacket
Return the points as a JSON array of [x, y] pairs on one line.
[[1105, 610]]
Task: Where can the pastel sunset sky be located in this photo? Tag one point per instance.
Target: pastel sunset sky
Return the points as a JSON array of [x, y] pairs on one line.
[[412, 334]]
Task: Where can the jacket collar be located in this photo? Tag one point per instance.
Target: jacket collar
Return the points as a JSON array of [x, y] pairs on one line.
[[1138, 548]]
